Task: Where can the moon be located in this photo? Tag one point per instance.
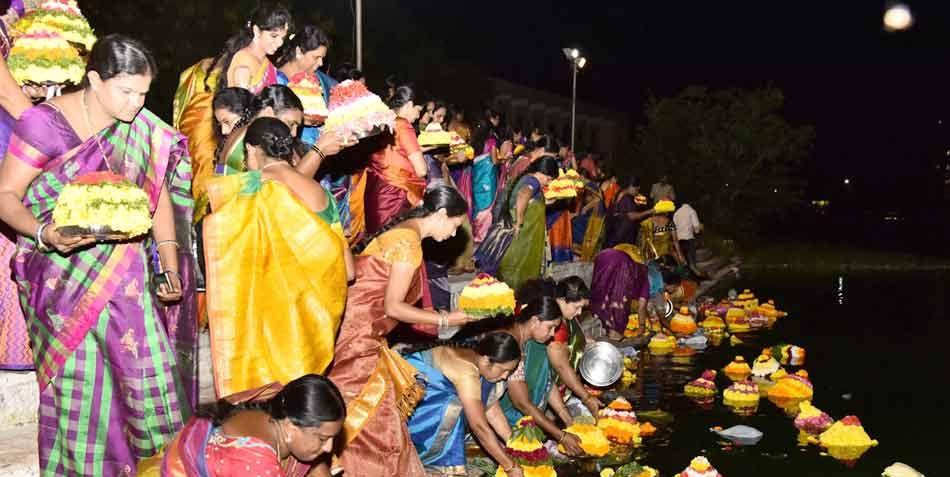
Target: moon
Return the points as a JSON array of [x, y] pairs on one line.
[[897, 18]]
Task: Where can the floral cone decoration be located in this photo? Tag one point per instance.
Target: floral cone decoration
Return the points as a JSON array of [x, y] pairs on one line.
[[846, 440], [661, 344], [811, 420], [765, 365], [747, 300], [789, 355], [713, 323], [564, 187], [526, 447], [664, 207], [737, 320], [742, 394], [41, 55], [486, 296], [683, 323], [634, 469], [619, 422], [355, 113], [793, 386], [593, 440], [104, 199], [61, 16], [699, 467], [738, 369], [705, 385]]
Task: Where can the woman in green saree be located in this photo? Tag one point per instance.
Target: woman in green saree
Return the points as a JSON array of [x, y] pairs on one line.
[[525, 258], [567, 347], [531, 387]]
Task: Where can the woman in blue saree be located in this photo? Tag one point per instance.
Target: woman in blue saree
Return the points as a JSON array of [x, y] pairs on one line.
[[463, 384]]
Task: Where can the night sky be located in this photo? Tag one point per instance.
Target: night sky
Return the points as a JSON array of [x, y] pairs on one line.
[[873, 96]]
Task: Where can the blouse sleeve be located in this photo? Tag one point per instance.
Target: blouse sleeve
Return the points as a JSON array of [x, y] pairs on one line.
[[33, 140], [562, 334], [401, 245], [406, 137], [463, 375]]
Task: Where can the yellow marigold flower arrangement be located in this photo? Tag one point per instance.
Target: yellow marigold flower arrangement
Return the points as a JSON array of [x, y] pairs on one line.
[[593, 440], [104, 199]]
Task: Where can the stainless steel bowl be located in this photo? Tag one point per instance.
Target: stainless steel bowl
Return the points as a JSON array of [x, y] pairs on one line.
[[601, 365]]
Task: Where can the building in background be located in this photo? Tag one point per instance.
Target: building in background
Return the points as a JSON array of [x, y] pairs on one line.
[[598, 130]]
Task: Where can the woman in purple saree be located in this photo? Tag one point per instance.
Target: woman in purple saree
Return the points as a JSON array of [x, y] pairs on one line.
[[114, 357]]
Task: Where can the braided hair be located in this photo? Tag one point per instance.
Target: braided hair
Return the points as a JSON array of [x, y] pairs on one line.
[[271, 135], [235, 100], [307, 401], [265, 17], [437, 197]]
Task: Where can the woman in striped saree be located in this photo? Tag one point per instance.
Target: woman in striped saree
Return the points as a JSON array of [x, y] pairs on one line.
[[114, 356]]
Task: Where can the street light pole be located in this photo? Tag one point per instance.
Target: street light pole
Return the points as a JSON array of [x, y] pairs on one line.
[[359, 34], [573, 103], [577, 62]]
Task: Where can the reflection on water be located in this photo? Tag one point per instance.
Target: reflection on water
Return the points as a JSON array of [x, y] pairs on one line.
[[874, 355]]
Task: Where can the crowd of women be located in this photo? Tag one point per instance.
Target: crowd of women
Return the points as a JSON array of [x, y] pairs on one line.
[[306, 261]]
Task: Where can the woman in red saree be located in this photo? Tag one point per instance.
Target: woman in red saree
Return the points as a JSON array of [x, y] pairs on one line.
[[395, 178], [114, 355], [271, 431], [379, 386]]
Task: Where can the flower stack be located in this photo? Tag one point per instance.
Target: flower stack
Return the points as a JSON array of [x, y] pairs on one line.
[[355, 113], [683, 323], [486, 296], [811, 421], [738, 369], [619, 422], [62, 17], [789, 355], [661, 344], [664, 207], [564, 187], [634, 469], [846, 440], [703, 386], [792, 387], [104, 199], [593, 440], [699, 467], [742, 397], [42, 56], [526, 447]]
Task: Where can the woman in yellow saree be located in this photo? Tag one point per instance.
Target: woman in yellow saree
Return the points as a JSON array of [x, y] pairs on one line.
[[243, 63], [277, 268]]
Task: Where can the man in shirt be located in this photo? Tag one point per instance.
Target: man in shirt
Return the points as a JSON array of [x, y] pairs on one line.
[[687, 227]]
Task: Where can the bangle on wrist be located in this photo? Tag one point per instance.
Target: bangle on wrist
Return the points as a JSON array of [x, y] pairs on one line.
[[514, 465], [317, 150], [40, 244], [443, 319], [166, 242]]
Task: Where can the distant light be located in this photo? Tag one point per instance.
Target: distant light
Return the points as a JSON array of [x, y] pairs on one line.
[[575, 53], [775, 191], [898, 17], [847, 181], [948, 152], [581, 62]]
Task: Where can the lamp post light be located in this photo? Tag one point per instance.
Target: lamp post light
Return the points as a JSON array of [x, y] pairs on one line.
[[573, 55]]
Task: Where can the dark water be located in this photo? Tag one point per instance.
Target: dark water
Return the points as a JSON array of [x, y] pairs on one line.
[[883, 338]]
